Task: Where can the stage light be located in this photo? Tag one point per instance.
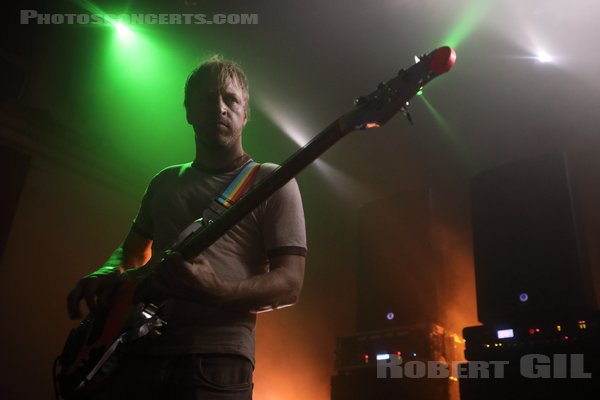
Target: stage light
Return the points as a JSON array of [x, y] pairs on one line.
[[523, 297], [123, 31], [445, 127], [543, 57], [285, 121], [472, 16]]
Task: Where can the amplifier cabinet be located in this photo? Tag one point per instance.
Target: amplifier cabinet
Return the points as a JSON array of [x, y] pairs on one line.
[[424, 341]]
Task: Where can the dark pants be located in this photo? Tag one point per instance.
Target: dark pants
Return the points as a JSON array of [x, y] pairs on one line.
[[183, 377]]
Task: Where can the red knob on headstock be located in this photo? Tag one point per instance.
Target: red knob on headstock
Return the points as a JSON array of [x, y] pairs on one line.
[[442, 59]]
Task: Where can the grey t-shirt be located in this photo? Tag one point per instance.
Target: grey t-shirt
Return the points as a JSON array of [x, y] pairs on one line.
[[176, 197]]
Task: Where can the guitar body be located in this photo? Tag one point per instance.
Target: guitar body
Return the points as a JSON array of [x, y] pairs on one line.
[[88, 343]]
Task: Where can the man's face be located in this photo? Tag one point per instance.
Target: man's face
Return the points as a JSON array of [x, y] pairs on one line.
[[218, 114]]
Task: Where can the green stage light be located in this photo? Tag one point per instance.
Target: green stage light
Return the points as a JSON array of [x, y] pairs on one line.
[[124, 33], [471, 17]]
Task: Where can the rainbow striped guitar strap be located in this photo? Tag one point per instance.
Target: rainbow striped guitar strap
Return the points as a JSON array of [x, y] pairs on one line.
[[236, 189]]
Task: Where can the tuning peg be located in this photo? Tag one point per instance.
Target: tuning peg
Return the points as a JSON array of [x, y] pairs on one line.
[[360, 101]]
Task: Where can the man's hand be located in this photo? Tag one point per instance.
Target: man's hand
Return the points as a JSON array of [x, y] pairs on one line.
[[195, 281], [97, 289]]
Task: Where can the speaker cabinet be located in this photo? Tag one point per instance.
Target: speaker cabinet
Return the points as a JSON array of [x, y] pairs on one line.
[[396, 276], [528, 253]]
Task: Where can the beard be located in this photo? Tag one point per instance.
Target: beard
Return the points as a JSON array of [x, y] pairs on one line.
[[218, 138]]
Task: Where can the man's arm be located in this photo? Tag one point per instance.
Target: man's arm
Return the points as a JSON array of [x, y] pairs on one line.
[[279, 288], [197, 281], [98, 287]]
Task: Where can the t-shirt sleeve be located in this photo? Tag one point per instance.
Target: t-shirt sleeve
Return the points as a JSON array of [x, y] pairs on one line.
[[283, 225]]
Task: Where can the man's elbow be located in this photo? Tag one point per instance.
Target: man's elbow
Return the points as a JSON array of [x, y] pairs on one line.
[[291, 274], [294, 290]]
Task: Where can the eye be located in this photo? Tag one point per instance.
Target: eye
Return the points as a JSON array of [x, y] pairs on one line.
[[231, 99]]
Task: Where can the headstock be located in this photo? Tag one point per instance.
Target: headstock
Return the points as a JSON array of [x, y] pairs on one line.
[[378, 107]]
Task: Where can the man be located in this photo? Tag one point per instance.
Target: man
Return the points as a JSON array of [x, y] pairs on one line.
[[207, 349]]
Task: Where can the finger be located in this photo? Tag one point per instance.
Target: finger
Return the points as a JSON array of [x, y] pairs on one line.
[[171, 267], [174, 258], [73, 303], [164, 263], [199, 259], [90, 298]]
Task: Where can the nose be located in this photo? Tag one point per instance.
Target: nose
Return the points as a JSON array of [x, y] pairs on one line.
[[219, 104], [222, 106]]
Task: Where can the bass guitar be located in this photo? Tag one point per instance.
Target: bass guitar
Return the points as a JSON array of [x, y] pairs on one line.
[[93, 348]]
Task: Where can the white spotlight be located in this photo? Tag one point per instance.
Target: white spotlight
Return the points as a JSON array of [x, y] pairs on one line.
[[543, 57]]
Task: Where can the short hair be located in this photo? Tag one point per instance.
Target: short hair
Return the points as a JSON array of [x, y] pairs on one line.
[[223, 70]]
